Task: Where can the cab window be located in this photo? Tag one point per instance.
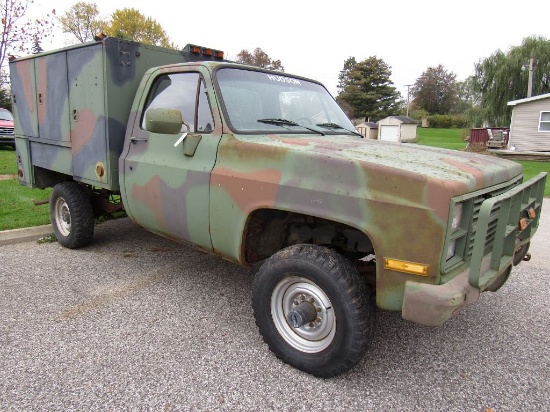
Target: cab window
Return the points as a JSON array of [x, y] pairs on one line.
[[185, 92]]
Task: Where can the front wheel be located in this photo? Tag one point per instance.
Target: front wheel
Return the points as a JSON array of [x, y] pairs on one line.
[[313, 310], [72, 215]]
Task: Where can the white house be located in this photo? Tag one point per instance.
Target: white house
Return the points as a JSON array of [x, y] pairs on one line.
[[368, 129], [530, 126]]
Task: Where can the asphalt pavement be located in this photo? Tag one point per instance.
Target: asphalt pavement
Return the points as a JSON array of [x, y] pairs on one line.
[[137, 322]]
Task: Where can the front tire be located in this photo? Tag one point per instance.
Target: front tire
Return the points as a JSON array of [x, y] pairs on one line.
[[71, 215], [313, 310]]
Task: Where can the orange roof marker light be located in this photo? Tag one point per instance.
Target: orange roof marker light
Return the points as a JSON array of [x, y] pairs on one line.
[[100, 36], [204, 51]]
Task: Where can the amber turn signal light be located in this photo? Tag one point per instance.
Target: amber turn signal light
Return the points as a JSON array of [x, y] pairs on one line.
[[522, 224]]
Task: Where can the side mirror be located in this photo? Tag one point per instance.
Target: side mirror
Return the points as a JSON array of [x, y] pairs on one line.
[[164, 121]]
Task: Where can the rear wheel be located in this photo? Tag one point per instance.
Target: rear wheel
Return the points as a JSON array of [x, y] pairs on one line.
[[72, 215], [313, 310]]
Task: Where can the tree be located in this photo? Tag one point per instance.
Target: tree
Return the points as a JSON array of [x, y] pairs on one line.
[[468, 102], [346, 108], [436, 91], [259, 58], [367, 88], [83, 21], [5, 99], [129, 23], [36, 46], [344, 75], [19, 33], [503, 77]]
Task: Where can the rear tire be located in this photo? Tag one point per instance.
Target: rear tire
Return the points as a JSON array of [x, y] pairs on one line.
[[313, 310], [71, 215]]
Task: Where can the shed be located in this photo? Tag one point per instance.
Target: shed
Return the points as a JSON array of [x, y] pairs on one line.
[[397, 129], [368, 129], [530, 125]]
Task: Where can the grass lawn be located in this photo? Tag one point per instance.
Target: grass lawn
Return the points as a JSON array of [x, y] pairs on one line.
[[446, 138], [17, 208], [452, 139], [16, 201], [8, 165]]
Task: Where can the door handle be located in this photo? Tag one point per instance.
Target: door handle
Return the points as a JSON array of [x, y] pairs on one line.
[[134, 139]]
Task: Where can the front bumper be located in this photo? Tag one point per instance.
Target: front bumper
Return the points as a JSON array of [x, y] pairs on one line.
[[7, 140], [509, 220], [432, 305]]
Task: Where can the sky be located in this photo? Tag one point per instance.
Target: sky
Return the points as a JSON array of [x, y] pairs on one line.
[[314, 38]]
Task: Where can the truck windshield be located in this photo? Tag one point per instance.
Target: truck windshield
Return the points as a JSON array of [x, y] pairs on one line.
[[260, 102]]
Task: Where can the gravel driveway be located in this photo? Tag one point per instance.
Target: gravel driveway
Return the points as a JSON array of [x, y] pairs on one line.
[[137, 322]]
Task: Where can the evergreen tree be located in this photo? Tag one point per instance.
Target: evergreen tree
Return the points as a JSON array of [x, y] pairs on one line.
[[367, 88]]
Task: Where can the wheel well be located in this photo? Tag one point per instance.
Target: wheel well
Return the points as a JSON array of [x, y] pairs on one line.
[[268, 231], [44, 178], [104, 202]]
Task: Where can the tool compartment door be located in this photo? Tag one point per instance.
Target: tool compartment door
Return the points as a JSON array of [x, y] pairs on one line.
[[87, 113]]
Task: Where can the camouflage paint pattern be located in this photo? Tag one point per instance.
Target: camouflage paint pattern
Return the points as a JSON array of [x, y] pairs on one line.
[[162, 189], [72, 106], [396, 194]]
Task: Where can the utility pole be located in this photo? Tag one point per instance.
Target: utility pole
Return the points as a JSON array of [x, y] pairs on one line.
[[408, 86], [530, 84]]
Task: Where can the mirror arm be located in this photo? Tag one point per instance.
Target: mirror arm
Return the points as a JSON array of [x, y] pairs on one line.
[[183, 135]]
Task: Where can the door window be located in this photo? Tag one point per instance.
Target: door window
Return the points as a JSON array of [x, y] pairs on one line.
[[185, 92]]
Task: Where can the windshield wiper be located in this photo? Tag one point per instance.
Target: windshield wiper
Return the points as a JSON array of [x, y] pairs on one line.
[[285, 122], [337, 126]]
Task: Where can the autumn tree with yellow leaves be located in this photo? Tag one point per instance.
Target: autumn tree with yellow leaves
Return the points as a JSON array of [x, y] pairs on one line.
[[83, 21]]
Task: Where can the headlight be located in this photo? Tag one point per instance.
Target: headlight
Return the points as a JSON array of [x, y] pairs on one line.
[[451, 250], [457, 217], [455, 225]]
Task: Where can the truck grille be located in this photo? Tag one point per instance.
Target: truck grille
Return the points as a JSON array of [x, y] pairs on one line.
[[6, 131], [477, 202], [489, 227]]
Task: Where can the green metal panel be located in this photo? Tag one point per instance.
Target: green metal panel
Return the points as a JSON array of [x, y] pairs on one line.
[[24, 169], [87, 113], [79, 98], [23, 84], [52, 102], [504, 212]]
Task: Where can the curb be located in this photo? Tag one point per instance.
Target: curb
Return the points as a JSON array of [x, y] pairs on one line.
[[8, 237]]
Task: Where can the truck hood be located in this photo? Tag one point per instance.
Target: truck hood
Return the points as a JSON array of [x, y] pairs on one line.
[[459, 171]]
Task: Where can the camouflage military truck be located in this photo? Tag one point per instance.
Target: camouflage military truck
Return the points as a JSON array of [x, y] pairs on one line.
[[264, 169]]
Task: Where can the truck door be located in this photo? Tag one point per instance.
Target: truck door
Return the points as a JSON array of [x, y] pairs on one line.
[[165, 181]]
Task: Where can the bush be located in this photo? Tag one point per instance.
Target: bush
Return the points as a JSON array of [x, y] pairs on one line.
[[446, 121]]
